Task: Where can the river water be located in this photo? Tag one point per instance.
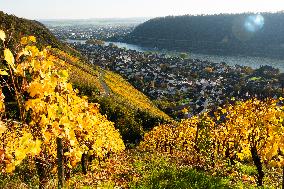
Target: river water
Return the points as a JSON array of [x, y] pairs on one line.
[[254, 62]]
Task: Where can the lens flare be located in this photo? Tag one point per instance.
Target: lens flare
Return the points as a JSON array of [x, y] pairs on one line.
[[254, 23]]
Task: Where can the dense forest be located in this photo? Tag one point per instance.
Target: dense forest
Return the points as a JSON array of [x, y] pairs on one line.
[[245, 34]]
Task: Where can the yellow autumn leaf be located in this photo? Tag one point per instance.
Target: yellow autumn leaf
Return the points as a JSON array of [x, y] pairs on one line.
[[184, 111], [35, 88], [24, 40], [241, 156], [3, 72], [72, 142], [19, 155], [32, 39], [2, 35], [36, 148], [9, 58], [10, 168], [23, 52], [2, 128]]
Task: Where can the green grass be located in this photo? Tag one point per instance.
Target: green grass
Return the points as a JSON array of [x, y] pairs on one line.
[[247, 169], [184, 178], [141, 170], [172, 178], [161, 173]]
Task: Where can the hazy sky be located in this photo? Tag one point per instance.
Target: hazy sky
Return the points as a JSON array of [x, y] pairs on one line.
[[55, 9]]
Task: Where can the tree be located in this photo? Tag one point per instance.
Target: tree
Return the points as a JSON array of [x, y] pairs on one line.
[[184, 55]]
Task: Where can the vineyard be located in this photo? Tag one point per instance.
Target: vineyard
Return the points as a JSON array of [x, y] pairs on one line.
[[82, 75], [66, 123], [132, 96], [121, 102], [47, 125], [249, 132], [53, 124]]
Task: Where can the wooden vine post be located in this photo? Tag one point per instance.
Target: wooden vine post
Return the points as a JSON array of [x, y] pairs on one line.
[[60, 163]]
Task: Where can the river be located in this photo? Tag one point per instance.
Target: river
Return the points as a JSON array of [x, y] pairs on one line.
[[254, 62]]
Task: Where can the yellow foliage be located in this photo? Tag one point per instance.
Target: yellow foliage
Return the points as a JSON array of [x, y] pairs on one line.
[[130, 95], [32, 39], [55, 110], [3, 128], [2, 35], [251, 124], [8, 56], [232, 132]]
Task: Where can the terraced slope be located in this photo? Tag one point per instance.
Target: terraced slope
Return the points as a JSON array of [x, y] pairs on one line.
[[130, 95]]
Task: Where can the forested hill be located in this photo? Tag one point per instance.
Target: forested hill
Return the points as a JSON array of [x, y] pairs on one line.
[[248, 34], [16, 28]]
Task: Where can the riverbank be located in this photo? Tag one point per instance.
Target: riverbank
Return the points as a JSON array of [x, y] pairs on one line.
[[251, 61]]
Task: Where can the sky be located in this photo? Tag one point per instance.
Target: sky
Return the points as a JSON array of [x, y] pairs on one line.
[[84, 9]]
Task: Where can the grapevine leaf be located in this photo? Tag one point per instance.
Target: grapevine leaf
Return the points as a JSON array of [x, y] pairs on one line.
[[2, 128], [2, 35], [9, 58], [3, 72]]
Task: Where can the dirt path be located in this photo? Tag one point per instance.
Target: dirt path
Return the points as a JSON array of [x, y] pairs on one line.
[[104, 85]]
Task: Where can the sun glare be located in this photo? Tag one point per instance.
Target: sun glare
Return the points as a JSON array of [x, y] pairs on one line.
[[254, 23]]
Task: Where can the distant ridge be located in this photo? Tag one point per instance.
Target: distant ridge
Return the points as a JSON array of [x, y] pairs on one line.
[[93, 21], [256, 34]]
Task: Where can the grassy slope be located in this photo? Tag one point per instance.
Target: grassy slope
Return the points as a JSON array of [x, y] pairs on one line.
[[128, 93]]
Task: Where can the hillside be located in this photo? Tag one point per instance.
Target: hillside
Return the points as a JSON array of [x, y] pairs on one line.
[[128, 115], [16, 28], [19, 27], [247, 34], [52, 136]]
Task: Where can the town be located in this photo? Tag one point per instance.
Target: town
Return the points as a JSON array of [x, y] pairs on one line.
[[92, 28], [195, 85], [89, 32]]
